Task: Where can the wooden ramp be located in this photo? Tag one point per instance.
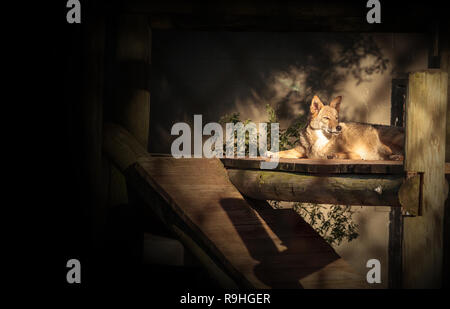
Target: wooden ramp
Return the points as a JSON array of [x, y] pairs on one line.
[[254, 245]]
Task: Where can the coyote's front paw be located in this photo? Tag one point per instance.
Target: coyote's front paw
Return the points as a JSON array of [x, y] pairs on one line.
[[270, 154], [396, 157], [332, 156]]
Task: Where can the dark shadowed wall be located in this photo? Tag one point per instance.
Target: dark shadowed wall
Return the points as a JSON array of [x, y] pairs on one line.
[[216, 73]]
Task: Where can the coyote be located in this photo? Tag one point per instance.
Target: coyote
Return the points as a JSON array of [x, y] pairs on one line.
[[326, 138]]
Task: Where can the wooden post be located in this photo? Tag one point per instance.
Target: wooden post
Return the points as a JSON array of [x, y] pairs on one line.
[[132, 100], [128, 101], [445, 66], [426, 109], [398, 102]]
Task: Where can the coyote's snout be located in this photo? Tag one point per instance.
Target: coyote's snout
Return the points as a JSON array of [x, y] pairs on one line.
[[325, 137]]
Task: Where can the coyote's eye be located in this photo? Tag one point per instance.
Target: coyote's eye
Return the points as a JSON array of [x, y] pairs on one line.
[[327, 118]]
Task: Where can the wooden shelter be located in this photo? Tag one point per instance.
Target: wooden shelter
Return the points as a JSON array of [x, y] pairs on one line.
[[217, 208], [244, 243]]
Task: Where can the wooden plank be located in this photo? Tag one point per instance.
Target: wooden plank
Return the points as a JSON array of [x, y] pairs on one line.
[[260, 248], [425, 153], [332, 166], [368, 190]]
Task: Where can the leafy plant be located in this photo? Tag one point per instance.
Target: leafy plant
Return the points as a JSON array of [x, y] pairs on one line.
[[288, 137], [235, 118], [334, 223]]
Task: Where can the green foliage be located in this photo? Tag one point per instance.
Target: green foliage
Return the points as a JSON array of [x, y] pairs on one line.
[[235, 118], [271, 115], [230, 118], [288, 137], [334, 223]]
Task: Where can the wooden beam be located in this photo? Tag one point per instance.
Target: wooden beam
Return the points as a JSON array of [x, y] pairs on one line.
[[318, 166], [325, 189], [425, 153], [398, 102]]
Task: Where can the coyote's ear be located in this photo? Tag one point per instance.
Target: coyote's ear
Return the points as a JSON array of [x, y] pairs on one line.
[[336, 103], [316, 105]]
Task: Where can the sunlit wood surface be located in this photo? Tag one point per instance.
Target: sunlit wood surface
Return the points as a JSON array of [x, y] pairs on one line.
[[257, 246], [334, 166]]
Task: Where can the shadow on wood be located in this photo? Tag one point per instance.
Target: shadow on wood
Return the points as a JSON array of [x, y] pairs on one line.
[[287, 249]]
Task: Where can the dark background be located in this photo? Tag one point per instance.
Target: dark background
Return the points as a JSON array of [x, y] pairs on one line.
[[67, 196]]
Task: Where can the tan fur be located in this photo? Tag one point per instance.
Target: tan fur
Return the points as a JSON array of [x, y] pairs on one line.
[[322, 138]]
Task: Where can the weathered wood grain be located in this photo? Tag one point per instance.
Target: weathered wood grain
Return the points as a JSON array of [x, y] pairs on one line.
[[445, 65], [332, 166], [344, 189], [260, 248], [425, 152], [409, 195]]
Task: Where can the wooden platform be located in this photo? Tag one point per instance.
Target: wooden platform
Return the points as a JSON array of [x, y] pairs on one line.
[[330, 166], [255, 245]]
